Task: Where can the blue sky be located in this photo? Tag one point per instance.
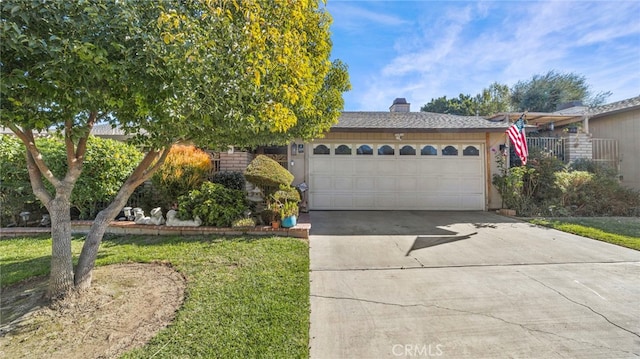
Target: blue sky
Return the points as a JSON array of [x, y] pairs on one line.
[[427, 49]]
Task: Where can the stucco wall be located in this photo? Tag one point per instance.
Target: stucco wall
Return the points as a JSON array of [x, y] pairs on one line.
[[624, 127]]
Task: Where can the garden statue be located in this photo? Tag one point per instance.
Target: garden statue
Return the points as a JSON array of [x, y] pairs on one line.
[[155, 219], [173, 221]]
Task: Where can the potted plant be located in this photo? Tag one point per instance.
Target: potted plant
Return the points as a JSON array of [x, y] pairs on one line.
[[289, 214], [271, 216]]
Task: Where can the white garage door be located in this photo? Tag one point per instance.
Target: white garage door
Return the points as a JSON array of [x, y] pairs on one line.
[[388, 176]]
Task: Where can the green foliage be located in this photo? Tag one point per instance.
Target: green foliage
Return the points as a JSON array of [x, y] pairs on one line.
[[600, 169], [269, 215], [288, 209], [516, 185], [267, 174], [589, 194], [107, 164], [543, 93], [286, 193], [185, 169], [244, 222], [215, 204], [232, 180], [546, 187], [490, 101], [15, 190]]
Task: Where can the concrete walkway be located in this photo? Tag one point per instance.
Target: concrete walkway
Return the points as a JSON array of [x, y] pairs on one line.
[[467, 285]]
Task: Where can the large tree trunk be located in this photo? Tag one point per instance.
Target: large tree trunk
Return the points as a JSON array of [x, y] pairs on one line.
[[87, 260], [61, 278]]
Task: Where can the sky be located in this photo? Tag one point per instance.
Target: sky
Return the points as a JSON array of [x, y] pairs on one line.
[[421, 50]]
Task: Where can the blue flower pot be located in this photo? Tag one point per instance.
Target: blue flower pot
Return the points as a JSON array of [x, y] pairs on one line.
[[288, 222]]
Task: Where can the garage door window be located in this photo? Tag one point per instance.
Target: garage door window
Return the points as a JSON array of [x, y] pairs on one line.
[[343, 150], [386, 150], [471, 151], [407, 150], [320, 150], [429, 150], [364, 150], [450, 151]]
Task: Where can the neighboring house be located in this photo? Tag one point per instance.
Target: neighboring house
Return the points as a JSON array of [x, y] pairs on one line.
[[620, 121]]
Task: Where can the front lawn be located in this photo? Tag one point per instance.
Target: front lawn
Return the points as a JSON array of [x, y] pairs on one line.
[[245, 297], [623, 231]]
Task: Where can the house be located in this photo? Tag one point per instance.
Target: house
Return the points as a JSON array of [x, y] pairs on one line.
[[402, 160], [620, 121]]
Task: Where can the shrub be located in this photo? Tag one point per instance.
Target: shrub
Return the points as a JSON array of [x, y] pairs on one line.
[[267, 174], [286, 193], [269, 215], [231, 180], [184, 169], [584, 164], [244, 222], [107, 164], [15, 189], [215, 204]]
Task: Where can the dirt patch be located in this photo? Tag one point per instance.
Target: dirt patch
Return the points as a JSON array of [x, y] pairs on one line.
[[125, 307]]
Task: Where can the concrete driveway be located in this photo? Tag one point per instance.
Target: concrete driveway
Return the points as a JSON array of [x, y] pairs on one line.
[[412, 284]]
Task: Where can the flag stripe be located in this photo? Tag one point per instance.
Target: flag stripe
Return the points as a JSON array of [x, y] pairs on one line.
[[517, 136]]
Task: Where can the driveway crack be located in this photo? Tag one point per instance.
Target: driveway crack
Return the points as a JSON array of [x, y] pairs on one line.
[[412, 257], [582, 305], [441, 307]]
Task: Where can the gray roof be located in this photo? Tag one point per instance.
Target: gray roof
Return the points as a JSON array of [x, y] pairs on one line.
[[613, 107], [416, 121]]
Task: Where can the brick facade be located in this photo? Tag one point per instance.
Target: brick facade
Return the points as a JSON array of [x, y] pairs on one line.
[[577, 146], [235, 162]]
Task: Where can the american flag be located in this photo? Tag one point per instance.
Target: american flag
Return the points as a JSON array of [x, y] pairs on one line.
[[517, 137]]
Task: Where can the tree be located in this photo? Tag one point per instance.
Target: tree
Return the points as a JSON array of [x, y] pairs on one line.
[[491, 100], [463, 105], [494, 99], [215, 73], [543, 93]]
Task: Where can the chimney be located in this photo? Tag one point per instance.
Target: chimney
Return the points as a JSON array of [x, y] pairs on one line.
[[400, 104]]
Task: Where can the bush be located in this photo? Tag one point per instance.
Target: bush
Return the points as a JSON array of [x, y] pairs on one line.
[[267, 174], [107, 164], [286, 193], [584, 164], [215, 204], [231, 180], [15, 189], [588, 194], [184, 169], [244, 222]]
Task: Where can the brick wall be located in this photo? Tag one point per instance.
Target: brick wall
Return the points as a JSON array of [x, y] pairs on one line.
[[236, 161], [577, 146]]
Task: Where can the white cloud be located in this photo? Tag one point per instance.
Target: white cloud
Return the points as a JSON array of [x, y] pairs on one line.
[[462, 48]]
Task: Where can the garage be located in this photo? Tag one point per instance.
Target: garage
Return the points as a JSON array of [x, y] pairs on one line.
[[350, 175]]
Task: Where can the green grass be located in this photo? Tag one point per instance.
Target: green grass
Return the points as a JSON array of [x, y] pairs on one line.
[[623, 231], [246, 297]]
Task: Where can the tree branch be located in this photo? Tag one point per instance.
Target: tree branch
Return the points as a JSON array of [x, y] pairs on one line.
[[26, 136]]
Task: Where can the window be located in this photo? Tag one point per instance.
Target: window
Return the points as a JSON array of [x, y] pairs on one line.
[[407, 150], [343, 150], [471, 151], [450, 151], [428, 150], [386, 150], [320, 150], [364, 150]]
